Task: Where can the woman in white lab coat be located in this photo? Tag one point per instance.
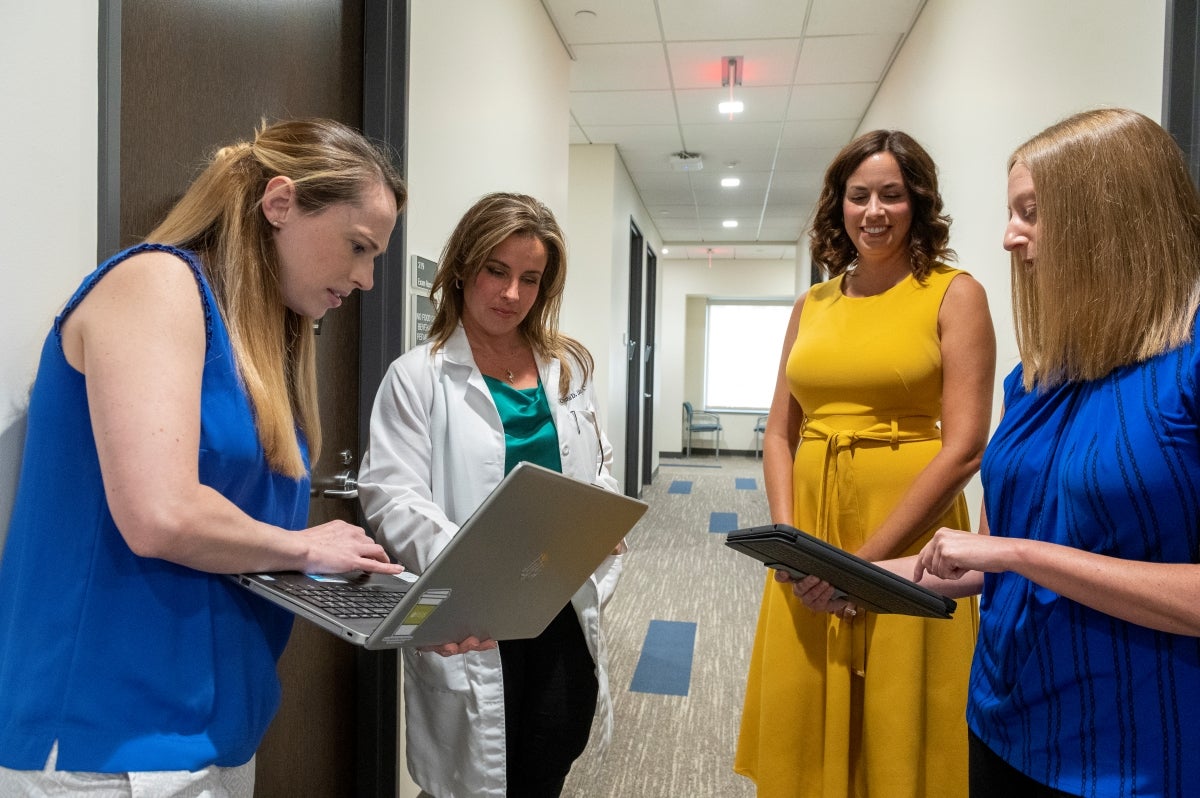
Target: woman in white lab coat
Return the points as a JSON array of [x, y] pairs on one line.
[[494, 384]]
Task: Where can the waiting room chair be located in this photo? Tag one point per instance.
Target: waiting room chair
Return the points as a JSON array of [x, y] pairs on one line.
[[760, 429], [700, 421]]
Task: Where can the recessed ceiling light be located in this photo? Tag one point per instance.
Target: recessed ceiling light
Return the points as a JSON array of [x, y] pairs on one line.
[[585, 14], [729, 223], [666, 251], [731, 182], [731, 107]]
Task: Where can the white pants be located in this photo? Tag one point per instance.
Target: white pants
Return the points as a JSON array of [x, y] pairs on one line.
[[211, 782]]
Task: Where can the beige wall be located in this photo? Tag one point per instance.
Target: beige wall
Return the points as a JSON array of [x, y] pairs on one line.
[[976, 79], [48, 112], [603, 202]]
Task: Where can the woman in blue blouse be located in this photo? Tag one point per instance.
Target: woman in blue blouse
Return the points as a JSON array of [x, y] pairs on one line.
[[1086, 678], [169, 438]]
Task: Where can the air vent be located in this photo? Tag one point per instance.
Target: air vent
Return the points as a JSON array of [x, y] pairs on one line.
[[684, 161]]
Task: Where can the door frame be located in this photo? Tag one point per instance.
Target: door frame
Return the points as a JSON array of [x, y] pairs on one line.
[[649, 338], [1181, 79], [633, 365], [381, 340]]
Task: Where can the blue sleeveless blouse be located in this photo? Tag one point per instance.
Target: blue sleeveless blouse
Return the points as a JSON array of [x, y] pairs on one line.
[[133, 663]]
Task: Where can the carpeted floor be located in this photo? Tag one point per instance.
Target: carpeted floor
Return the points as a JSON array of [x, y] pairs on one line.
[[677, 710]]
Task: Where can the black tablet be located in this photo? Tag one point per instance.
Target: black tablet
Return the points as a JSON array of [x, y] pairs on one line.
[[866, 585]]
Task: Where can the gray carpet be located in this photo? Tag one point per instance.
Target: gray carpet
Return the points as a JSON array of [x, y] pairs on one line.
[[677, 570]]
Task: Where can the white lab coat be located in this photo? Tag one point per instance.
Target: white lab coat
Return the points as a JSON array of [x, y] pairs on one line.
[[436, 450]]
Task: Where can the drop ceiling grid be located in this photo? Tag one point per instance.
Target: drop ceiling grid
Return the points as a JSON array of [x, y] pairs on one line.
[[646, 77]]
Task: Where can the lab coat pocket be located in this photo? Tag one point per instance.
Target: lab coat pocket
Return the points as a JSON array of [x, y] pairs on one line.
[[606, 577], [587, 439], [435, 673]]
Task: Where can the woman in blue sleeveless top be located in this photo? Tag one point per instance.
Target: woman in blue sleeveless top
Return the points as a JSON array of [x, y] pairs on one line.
[[1086, 676], [170, 430]]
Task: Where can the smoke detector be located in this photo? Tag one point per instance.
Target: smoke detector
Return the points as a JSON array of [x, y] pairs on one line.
[[684, 161]]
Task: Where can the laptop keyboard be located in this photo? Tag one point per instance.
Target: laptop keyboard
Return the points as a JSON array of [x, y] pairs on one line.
[[345, 601]]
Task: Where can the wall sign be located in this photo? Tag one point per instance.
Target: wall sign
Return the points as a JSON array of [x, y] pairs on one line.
[[423, 270]]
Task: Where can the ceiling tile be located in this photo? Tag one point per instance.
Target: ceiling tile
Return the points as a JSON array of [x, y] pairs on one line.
[[727, 135], [830, 100], [845, 59], [819, 133], [604, 21], [806, 159], [619, 67], [709, 19], [832, 17], [665, 137], [699, 106], [622, 108], [646, 77]]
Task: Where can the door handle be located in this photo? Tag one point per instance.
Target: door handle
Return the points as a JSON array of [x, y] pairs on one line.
[[342, 486]]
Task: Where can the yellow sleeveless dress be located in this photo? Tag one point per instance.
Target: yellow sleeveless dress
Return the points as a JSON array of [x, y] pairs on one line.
[[872, 708]]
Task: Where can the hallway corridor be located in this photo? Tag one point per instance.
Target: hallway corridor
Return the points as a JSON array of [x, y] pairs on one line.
[[679, 633]]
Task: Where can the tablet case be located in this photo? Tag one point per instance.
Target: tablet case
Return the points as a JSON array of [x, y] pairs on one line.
[[866, 585]]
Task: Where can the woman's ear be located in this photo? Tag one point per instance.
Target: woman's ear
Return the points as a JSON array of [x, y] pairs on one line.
[[278, 200]]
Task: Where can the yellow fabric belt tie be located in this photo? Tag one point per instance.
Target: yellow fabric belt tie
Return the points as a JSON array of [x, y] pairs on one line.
[[837, 508]]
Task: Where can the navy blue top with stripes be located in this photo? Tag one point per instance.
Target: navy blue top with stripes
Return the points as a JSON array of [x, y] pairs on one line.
[[1072, 697]]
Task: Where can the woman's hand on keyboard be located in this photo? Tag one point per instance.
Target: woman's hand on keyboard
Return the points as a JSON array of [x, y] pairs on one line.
[[336, 547]]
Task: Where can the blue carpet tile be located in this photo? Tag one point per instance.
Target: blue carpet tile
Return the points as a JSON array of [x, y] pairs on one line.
[[722, 522], [746, 483], [665, 666], [680, 486]]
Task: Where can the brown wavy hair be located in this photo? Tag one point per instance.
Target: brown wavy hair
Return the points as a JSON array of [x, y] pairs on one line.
[[219, 218], [928, 238], [482, 228], [1116, 277]]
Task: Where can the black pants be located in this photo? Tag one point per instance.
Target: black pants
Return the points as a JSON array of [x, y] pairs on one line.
[[549, 700], [992, 777]]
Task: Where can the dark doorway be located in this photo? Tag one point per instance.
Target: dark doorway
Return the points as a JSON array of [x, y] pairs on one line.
[[1181, 90], [178, 80], [633, 366], [648, 383]]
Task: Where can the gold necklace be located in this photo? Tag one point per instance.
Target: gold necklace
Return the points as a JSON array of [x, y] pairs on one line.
[[508, 373]]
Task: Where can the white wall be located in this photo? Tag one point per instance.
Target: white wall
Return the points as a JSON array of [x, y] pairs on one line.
[[975, 80], [603, 201], [48, 113], [681, 337], [487, 111]]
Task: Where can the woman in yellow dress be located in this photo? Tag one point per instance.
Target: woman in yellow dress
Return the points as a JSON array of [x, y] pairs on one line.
[[880, 416]]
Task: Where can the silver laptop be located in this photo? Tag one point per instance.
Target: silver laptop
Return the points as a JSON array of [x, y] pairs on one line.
[[508, 571]]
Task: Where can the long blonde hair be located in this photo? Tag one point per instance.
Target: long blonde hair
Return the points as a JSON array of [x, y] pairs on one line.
[[1116, 277], [482, 228], [219, 218]]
